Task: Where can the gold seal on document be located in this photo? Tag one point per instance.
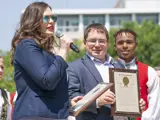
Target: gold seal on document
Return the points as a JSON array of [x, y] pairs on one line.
[[125, 81]]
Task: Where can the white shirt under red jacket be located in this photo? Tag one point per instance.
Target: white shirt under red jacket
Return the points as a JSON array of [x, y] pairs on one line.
[[149, 88]]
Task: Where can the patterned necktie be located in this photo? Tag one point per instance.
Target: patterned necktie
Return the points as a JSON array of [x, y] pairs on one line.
[[127, 66]]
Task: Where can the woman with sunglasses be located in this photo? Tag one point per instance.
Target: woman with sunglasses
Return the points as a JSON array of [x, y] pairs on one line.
[[39, 70]]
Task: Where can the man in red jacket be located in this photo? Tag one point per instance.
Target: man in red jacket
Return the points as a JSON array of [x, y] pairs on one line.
[[125, 45]]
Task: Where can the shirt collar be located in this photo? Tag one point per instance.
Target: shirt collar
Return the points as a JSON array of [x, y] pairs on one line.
[[108, 59]]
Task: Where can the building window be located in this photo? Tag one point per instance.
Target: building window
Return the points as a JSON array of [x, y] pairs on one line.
[[148, 17], [117, 20], [68, 23], [89, 19]]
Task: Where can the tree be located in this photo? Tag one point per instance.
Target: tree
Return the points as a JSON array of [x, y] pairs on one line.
[[7, 81], [72, 55]]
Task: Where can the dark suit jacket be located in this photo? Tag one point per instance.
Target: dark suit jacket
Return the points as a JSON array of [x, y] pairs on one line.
[[82, 77], [41, 82]]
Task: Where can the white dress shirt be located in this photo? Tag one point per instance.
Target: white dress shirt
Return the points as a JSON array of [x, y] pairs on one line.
[[103, 67]]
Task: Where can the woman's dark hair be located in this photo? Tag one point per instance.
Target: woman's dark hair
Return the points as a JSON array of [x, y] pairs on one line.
[[30, 27]]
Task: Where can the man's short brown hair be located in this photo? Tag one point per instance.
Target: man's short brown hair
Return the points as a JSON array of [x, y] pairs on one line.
[[96, 26]]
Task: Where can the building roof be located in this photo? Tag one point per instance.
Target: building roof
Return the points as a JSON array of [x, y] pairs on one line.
[[137, 4], [105, 11]]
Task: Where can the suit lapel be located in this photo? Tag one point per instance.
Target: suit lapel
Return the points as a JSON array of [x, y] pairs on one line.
[[91, 67]]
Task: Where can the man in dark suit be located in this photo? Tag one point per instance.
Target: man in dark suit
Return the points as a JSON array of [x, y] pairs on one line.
[[86, 72]]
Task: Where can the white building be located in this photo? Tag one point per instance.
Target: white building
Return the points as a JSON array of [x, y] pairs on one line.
[[73, 21]]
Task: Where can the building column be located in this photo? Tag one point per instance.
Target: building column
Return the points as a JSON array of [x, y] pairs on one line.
[[159, 18], [107, 22], [81, 25], [133, 17]]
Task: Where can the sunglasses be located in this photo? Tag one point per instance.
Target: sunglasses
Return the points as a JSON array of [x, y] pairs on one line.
[[48, 17]]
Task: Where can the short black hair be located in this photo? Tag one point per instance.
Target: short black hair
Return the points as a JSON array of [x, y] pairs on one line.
[[126, 30]]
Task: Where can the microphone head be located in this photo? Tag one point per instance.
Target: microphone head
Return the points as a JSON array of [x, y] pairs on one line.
[[58, 34]]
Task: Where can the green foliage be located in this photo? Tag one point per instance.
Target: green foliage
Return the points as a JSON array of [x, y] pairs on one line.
[[7, 81], [111, 49], [148, 49], [148, 39], [72, 55]]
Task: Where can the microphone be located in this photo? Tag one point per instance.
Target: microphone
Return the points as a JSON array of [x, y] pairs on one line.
[[59, 34]]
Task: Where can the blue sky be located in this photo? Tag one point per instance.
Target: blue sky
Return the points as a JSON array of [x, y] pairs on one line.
[[11, 10]]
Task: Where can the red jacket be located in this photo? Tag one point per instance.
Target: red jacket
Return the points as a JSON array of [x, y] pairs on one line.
[[143, 78]]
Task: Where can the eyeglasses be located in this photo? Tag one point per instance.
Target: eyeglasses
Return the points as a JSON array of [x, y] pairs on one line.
[[94, 41], [48, 17]]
